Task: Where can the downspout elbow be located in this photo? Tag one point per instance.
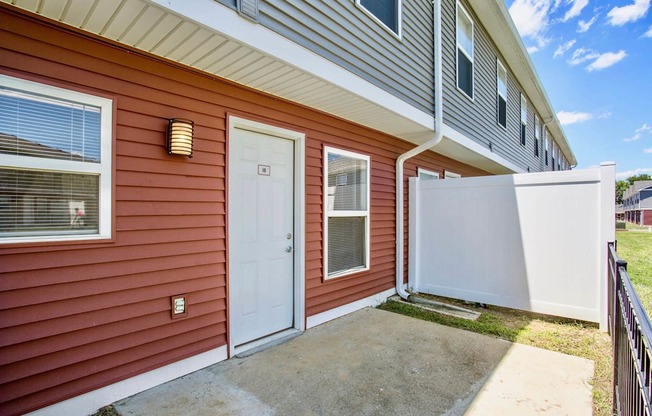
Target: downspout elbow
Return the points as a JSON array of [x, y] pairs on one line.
[[400, 232]]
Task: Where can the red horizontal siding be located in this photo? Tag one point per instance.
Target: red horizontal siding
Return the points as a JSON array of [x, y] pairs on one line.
[[75, 317]]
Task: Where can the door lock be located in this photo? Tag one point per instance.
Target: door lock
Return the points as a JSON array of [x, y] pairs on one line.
[[288, 249]]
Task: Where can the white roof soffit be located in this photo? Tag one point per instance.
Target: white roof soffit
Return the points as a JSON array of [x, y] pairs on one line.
[[213, 38], [497, 21]]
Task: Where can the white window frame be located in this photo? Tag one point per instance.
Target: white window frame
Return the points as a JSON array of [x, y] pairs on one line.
[[426, 175], [399, 16], [328, 214], [103, 169], [451, 175], [522, 133], [472, 52], [500, 68]]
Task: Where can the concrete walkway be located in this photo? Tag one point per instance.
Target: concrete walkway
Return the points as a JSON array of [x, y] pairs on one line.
[[373, 362]]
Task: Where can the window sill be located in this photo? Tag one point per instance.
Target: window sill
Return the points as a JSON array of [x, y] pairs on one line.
[[345, 273], [54, 242]]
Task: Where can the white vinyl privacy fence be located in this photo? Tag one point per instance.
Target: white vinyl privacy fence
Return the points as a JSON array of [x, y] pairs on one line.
[[536, 241]]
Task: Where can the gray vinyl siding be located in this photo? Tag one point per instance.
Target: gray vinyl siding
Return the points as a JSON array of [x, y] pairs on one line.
[[646, 199], [341, 32], [476, 118]]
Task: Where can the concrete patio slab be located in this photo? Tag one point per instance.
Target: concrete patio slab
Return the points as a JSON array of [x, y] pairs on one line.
[[374, 362], [530, 380]]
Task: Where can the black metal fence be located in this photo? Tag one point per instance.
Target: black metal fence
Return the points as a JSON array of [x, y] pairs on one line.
[[632, 335]]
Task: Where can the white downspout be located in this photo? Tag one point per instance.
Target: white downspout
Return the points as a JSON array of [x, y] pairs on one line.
[[419, 149]]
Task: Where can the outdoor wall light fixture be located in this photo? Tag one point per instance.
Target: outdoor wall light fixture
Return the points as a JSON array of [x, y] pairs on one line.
[[180, 137]]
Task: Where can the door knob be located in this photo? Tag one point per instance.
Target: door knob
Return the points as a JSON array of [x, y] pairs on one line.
[[288, 249]]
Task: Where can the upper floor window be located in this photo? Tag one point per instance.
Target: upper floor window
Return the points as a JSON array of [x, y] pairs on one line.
[[554, 154], [501, 92], [346, 219], [537, 135], [523, 119], [426, 175], [546, 144], [387, 12], [464, 51], [451, 175], [55, 169]]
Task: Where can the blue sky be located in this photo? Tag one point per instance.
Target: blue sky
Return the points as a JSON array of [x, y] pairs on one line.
[[594, 58]]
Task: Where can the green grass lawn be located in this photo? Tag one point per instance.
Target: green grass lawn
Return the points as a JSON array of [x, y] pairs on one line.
[[636, 248]]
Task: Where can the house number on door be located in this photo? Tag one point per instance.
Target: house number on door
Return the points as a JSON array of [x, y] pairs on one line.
[[264, 170]]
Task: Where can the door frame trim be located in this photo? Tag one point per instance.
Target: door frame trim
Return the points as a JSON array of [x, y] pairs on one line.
[[299, 139]]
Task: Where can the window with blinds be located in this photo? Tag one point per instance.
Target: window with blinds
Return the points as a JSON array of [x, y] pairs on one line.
[[55, 164], [346, 212]]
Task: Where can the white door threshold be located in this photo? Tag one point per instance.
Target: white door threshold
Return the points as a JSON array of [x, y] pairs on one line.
[[250, 348]]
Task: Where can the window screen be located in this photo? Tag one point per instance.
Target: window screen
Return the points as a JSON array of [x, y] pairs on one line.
[[31, 125]]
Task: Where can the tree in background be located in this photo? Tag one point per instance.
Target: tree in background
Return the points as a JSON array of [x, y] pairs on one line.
[[621, 186]]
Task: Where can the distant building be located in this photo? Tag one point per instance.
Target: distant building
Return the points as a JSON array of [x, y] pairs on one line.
[[637, 203], [620, 212]]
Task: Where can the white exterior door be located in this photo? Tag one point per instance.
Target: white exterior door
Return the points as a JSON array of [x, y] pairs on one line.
[[261, 235]]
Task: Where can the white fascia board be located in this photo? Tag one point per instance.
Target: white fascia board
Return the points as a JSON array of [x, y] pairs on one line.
[[478, 149], [219, 18]]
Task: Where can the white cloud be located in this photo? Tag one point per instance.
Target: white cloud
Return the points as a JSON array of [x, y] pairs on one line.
[[618, 16], [531, 18], [606, 60], [572, 117], [581, 55], [532, 49], [635, 137], [575, 9], [583, 26], [645, 128], [648, 150], [564, 47], [634, 172], [648, 34]]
